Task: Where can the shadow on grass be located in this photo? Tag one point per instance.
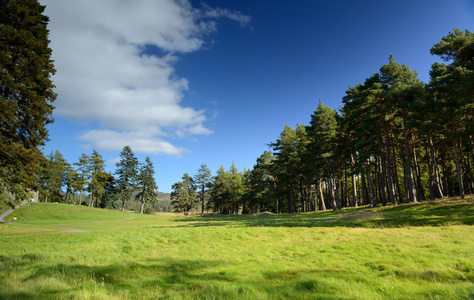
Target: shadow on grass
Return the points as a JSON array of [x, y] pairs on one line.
[[163, 279], [205, 279], [436, 213], [64, 281]]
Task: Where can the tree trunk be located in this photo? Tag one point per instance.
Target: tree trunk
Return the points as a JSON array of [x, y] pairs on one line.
[[308, 195], [391, 187], [458, 170], [338, 198], [420, 190], [380, 181], [354, 189], [202, 200], [371, 186], [446, 173], [434, 165], [365, 192], [410, 180], [430, 173], [80, 198], [321, 195], [354, 183]]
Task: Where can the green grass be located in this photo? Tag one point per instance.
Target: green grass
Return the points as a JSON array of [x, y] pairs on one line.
[[416, 251]]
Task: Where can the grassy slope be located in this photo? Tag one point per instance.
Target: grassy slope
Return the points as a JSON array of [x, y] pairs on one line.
[[417, 251]]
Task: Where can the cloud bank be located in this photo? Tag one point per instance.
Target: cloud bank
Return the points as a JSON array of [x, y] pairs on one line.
[[106, 75]]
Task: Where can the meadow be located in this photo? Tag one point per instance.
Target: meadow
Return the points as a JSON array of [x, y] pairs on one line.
[[411, 251]]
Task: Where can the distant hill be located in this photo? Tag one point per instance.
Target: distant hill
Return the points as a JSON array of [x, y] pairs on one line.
[[163, 196]]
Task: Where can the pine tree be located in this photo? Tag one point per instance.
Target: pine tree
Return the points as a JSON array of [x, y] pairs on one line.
[[452, 85], [146, 184], [183, 196], [82, 175], [52, 177], [98, 178], [285, 167], [323, 133], [203, 180], [26, 93], [403, 89], [127, 172]]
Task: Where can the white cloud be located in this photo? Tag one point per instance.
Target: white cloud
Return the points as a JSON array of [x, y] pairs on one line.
[[139, 141], [105, 77]]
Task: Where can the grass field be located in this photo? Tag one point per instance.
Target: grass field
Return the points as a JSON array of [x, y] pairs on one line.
[[416, 251]]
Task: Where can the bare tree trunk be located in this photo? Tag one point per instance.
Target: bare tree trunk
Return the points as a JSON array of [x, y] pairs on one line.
[[446, 173], [354, 190], [308, 195], [419, 186], [458, 170], [321, 195], [371, 186], [410, 180], [354, 183], [434, 165], [380, 181], [338, 198], [391, 187], [430, 173], [80, 198]]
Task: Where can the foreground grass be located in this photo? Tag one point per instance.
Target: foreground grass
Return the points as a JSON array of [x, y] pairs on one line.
[[421, 251]]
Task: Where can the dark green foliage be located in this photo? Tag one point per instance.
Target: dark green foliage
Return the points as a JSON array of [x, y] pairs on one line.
[[146, 185], [52, 177], [203, 182], [183, 196], [26, 94], [98, 178], [127, 174]]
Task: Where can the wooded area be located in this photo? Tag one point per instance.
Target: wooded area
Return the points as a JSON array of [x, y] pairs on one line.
[[394, 140]]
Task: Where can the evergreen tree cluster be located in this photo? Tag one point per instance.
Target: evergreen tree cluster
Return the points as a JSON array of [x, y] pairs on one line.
[[395, 139], [87, 183]]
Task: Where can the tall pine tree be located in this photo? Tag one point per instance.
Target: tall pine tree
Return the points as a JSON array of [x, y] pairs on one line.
[[26, 93]]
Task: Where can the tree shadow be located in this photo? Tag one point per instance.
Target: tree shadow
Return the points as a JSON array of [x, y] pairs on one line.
[[164, 278], [438, 213]]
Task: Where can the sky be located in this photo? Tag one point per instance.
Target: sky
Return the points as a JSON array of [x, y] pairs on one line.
[[214, 82]]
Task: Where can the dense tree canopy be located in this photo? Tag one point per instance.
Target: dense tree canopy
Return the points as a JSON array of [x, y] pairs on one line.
[[26, 93]]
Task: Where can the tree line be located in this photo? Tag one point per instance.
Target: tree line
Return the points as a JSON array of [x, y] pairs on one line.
[[87, 182], [395, 139]]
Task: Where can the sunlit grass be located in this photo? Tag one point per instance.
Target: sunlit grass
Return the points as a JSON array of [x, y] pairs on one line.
[[422, 251]]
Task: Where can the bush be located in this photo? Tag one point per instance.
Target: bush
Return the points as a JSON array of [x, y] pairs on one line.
[[149, 211]]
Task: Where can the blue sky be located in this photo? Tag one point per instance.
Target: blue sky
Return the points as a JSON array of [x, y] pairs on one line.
[[192, 82]]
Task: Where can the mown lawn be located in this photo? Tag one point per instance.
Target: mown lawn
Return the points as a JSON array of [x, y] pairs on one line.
[[416, 251]]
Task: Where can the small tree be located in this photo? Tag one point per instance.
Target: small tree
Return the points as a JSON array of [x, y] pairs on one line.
[[146, 184], [127, 172], [203, 179], [98, 177], [183, 196], [82, 175]]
